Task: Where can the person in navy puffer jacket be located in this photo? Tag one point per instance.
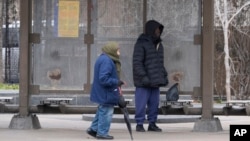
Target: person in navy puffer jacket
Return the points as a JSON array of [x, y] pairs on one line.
[[149, 74]]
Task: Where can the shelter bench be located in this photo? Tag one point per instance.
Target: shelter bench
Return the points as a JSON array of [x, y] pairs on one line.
[[6, 99], [175, 107], [56, 101], [179, 102], [241, 103], [244, 105], [128, 100]]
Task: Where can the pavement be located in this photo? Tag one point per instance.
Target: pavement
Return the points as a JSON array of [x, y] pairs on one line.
[[67, 127]]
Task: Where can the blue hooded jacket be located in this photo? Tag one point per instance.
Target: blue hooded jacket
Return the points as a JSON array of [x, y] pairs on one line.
[[105, 84]]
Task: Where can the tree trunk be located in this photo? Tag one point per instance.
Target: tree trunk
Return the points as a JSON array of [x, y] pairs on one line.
[[227, 64]]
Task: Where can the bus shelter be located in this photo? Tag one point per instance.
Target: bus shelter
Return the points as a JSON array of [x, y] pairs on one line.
[[60, 40]]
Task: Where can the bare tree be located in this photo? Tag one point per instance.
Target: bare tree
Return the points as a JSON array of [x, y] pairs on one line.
[[226, 15]]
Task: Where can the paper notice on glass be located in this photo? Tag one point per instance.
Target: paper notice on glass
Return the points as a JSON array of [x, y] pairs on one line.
[[68, 18]]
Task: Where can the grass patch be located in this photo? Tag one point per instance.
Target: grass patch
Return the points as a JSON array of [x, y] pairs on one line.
[[4, 86]]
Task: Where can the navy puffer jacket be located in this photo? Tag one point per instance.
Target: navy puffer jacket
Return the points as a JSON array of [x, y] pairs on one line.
[[148, 59]]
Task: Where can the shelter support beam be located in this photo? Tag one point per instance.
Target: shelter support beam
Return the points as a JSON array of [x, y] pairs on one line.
[[88, 39], [207, 123], [24, 120]]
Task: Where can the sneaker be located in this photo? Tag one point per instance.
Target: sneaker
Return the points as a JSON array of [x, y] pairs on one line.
[[91, 132], [153, 127], [107, 137], [140, 128]]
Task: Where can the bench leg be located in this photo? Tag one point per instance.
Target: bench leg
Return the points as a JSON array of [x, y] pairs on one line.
[[248, 110]]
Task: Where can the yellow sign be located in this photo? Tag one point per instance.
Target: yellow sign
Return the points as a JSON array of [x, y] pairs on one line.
[[68, 18]]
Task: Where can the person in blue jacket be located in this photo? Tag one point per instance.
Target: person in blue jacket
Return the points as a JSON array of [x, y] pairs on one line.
[[149, 74], [105, 90]]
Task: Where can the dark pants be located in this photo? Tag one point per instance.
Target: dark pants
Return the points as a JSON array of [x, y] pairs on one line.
[[146, 98]]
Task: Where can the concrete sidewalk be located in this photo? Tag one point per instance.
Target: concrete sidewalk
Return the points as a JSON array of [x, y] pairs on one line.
[[61, 127]]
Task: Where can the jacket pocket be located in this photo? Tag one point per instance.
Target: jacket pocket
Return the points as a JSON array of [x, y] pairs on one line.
[[112, 97]]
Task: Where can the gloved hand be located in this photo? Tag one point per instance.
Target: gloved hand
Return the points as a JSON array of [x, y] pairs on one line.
[[167, 81], [120, 83], [122, 103], [145, 81]]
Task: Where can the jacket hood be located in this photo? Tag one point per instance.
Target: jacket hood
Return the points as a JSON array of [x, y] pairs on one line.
[[111, 49], [150, 28]]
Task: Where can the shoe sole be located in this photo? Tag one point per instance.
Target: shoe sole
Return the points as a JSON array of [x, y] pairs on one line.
[[91, 134], [155, 131], [140, 130], [103, 138]]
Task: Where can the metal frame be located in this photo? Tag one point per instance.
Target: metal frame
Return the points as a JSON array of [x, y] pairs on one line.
[[206, 55]]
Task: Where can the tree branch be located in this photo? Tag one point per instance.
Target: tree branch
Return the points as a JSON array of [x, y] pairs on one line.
[[238, 11], [217, 5]]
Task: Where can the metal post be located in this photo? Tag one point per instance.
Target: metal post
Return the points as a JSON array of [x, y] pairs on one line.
[[207, 64], [24, 120], [88, 39], [7, 45], [24, 57], [207, 123]]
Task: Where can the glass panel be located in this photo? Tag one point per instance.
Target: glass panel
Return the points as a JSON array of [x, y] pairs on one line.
[[182, 20], [59, 61], [120, 21]]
